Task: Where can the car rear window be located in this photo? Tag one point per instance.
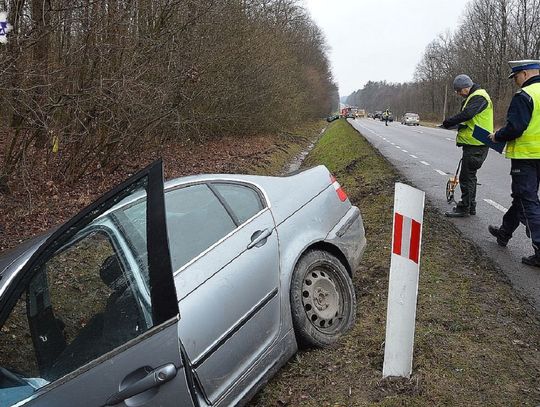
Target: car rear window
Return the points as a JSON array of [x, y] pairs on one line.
[[195, 221], [243, 200]]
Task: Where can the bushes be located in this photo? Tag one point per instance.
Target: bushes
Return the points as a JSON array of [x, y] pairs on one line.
[[108, 77]]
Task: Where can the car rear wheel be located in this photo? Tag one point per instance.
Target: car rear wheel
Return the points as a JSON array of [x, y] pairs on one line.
[[323, 302]]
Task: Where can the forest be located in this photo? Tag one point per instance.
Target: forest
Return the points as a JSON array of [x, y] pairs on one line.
[[84, 83]]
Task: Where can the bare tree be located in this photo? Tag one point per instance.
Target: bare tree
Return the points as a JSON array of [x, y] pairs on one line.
[[98, 79]]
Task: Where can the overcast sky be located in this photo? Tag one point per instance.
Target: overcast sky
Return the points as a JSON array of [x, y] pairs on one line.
[[380, 39]]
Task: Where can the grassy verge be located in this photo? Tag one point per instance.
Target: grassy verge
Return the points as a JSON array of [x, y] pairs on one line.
[[285, 147], [429, 124], [477, 342]]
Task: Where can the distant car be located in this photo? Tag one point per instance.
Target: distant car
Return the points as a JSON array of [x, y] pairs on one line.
[[377, 114], [350, 115], [186, 293], [410, 119]]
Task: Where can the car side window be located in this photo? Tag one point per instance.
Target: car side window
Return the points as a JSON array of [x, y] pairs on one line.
[[196, 220], [244, 201], [82, 301]]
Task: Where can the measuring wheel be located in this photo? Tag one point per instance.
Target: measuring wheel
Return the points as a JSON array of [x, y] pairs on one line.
[[451, 185], [450, 188]]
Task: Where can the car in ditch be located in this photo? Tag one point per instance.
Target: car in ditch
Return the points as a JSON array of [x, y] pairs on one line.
[[191, 292]]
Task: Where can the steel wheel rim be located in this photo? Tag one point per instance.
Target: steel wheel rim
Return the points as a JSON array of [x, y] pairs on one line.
[[322, 298]]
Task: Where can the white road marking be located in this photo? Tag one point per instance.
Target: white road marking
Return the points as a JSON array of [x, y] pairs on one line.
[[398, 147], [496, 205], [392, 143], [449, 139], [413, 156], [441, 172], [405, 151], [425, 163]]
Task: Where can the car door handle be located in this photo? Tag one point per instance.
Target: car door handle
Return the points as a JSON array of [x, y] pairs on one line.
[[258, 237], [155, 378]]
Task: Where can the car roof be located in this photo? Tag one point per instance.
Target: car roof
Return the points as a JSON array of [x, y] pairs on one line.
[[12, 259], [10, 255]]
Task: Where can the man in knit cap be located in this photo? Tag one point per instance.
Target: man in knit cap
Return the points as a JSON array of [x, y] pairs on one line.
[[476, 110]]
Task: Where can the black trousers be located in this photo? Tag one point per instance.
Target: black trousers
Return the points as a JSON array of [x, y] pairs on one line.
[[525, 206], [472, 159]]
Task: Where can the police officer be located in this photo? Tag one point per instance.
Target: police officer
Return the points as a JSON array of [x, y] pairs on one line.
[[386, 116], [522, 136], [476, 109]]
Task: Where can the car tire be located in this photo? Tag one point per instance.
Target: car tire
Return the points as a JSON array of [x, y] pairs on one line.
[[323, 302]]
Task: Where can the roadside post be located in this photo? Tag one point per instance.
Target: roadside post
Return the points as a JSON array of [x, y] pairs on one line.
[[403, 281]]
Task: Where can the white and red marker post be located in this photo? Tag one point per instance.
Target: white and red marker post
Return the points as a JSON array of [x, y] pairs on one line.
[[403, 284]]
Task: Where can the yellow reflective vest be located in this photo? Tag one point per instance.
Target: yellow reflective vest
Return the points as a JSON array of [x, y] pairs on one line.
[[483, 119], [528, 144]]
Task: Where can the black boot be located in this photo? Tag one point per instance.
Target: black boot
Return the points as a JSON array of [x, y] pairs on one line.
[[533, 260], [472, 209], [458, 212], [496, 232]]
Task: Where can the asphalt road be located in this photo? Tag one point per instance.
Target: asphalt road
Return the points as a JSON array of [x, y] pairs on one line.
[[427, 157]]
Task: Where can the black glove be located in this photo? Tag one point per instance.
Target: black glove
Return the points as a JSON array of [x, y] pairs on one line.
[[446, 124]]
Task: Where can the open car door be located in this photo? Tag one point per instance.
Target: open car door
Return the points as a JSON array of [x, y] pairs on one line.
[[91, 318]]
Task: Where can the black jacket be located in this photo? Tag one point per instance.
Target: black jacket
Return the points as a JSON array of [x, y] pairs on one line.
[[476, 105], [519, 114]]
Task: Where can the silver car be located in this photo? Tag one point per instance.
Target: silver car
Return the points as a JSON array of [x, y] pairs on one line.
[[411, 119], [188, 293]]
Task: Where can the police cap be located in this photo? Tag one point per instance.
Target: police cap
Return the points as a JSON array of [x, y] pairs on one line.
[[523, 65]]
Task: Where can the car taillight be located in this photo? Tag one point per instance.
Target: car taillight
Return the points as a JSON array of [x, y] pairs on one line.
[[342, 195]]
